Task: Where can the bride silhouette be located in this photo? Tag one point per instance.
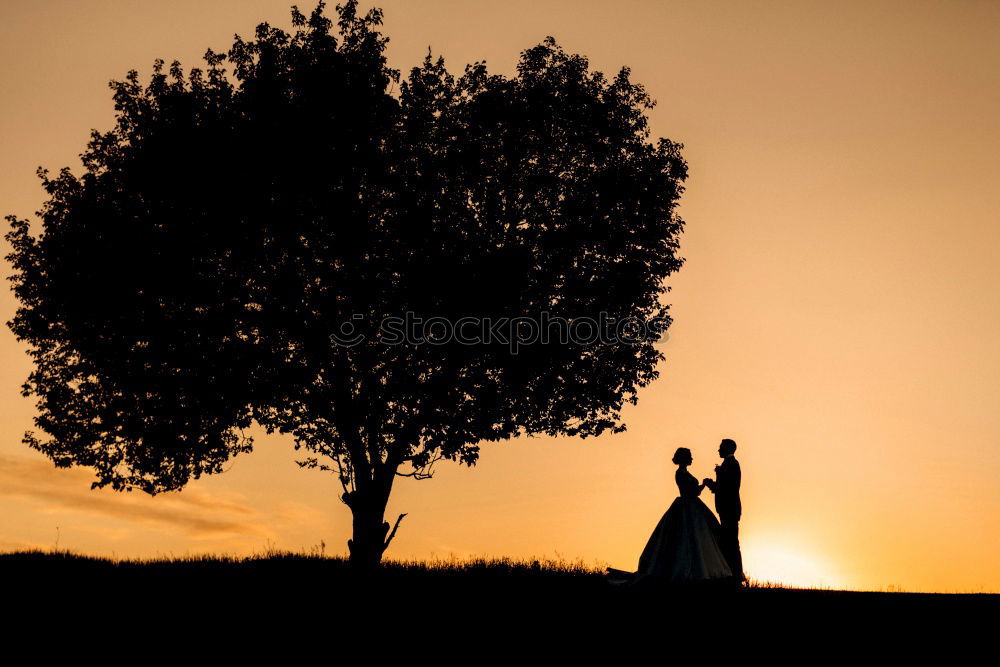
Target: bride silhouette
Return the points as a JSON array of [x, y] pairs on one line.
[[684, 546]]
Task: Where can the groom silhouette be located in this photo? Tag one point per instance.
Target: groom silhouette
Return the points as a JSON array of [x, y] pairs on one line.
[[726, 487]]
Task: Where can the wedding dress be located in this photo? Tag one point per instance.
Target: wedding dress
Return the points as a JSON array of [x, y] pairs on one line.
[[684, 545]]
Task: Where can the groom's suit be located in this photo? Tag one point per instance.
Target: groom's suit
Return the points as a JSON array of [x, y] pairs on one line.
[[726, 488]]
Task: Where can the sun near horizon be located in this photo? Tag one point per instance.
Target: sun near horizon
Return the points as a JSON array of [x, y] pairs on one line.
[[837, 314]]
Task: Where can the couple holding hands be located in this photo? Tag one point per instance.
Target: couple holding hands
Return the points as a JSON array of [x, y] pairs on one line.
[[689, 543]]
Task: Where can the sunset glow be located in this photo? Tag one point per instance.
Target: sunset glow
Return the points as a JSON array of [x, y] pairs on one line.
[[837, 315], [774, 561]]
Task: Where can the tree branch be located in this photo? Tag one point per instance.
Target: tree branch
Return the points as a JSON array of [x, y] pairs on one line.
[[393, 533], [425, 471]]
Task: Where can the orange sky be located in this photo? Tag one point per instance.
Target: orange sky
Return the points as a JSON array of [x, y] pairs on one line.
[[838, 315]]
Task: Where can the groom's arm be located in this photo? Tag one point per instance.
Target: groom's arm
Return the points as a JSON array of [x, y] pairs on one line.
[[710, 483], [728, 474]]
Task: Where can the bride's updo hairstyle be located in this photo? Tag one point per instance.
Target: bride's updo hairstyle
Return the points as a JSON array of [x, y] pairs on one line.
[[682, 456]]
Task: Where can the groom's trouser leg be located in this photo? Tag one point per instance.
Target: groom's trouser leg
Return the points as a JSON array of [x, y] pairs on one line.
[[730, 544]]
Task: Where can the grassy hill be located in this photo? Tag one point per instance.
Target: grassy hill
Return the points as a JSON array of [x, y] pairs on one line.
[[556, 599]]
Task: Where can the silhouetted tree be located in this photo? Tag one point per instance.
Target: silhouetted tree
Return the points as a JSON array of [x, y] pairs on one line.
[[189, 282]]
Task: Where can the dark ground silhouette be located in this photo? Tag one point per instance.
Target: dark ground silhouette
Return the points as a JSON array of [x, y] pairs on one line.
[[466, 604]]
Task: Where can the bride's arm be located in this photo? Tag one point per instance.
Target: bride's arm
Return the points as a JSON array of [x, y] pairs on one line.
[[699, 487]]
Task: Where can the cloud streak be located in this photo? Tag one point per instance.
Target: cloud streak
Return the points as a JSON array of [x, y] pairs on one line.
[[194, 512]]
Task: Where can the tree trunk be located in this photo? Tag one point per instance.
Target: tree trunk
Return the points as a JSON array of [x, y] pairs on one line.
[[371, 535], [368, 539]]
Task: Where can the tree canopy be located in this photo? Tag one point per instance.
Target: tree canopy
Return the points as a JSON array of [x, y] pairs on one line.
[[198, 276]]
